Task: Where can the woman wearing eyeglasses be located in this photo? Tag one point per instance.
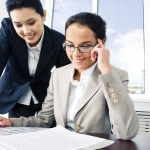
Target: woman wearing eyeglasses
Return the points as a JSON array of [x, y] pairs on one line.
[[89, 95]]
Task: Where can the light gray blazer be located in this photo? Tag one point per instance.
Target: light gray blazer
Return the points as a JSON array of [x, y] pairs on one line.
[[104, 107]]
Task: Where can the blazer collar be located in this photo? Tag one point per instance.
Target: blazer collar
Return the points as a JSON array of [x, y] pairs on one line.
[[93, 86]]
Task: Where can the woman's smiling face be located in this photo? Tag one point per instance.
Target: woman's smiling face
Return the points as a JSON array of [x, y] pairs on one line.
[[80, 35], [28, 24]]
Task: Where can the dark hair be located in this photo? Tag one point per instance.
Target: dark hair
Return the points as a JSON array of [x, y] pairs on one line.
[[16, 4], [92, 21]]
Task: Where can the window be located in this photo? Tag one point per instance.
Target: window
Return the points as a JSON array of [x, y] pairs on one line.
[[127, 32], [126, 38], [62, 10]]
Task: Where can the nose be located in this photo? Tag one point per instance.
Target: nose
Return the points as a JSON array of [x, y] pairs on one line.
[[76, 51], [26, 30]]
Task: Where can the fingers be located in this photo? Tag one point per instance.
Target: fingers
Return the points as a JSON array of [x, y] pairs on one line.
[[1, 118], [4, 122], [100, 43], [97, 50], [94, 52]]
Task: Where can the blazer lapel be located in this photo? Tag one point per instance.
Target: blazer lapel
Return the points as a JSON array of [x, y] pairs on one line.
[[66, 90], [45, 54], [92, 87], [21, 51]]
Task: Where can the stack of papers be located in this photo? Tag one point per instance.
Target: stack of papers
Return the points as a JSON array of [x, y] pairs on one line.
[[57, 138], [17, 130]]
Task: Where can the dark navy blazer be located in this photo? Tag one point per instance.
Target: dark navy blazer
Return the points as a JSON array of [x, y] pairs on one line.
[[14, 59]]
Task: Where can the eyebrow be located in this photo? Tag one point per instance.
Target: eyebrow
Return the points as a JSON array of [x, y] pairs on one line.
[[85, 42]]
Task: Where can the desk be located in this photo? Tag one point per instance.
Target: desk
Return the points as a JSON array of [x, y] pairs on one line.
[[140, 142]]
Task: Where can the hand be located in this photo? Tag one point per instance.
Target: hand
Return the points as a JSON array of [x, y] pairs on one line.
[[5, 122], [101, 54]]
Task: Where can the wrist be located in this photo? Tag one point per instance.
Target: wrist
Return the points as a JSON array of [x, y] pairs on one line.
[[105, 69]]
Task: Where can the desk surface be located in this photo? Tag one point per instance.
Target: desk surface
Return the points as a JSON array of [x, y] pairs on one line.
[[140, 142]]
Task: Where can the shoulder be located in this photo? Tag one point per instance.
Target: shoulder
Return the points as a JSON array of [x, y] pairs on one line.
[[7, 26], [118, 70], [6, 22], [62, 74], [63, 71]]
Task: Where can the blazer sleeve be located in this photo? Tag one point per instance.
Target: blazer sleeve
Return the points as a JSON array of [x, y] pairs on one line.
[[123, 118], [5, 47], [45, 117]]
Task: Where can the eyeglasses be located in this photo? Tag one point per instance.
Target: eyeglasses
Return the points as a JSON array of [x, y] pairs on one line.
[[82, 48]]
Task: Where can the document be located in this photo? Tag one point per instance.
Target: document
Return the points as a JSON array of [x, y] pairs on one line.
[[57, 138]]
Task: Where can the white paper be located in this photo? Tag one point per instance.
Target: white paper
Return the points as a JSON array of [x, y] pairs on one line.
[[17, 130], [57, 138]]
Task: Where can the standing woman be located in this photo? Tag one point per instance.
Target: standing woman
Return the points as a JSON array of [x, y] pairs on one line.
[[28, 52]]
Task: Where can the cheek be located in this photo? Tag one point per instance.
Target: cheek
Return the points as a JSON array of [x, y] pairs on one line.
[[89, 60], [18, 31], [88, 56], [37, 27], [69, 55]]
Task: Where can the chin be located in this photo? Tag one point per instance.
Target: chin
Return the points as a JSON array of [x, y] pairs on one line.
[[32, 43]]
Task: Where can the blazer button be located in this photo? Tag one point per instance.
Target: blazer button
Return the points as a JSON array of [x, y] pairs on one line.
[[109, 84], [115, 101], [111, 90], [113, 95], [78, 128]]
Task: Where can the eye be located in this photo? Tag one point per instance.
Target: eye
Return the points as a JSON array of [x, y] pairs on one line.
[[31, 22], [18, 25], [85, 46], [69, 46]]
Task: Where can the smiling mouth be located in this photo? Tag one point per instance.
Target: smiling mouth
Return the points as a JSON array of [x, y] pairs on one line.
[[78, 60], [29, 37]]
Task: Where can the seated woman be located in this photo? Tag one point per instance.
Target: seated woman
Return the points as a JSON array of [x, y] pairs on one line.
[[89, 95]]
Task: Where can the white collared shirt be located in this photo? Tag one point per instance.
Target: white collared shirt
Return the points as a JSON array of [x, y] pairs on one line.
[[77, 88], [33, 58]]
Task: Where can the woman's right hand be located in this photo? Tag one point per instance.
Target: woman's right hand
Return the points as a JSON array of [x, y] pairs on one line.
[[101, 54], [5, 122]]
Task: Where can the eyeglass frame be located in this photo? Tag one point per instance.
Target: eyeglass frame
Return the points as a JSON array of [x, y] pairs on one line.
[[79, 48]]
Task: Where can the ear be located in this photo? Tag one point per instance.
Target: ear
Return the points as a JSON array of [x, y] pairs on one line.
[[44, 16]]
